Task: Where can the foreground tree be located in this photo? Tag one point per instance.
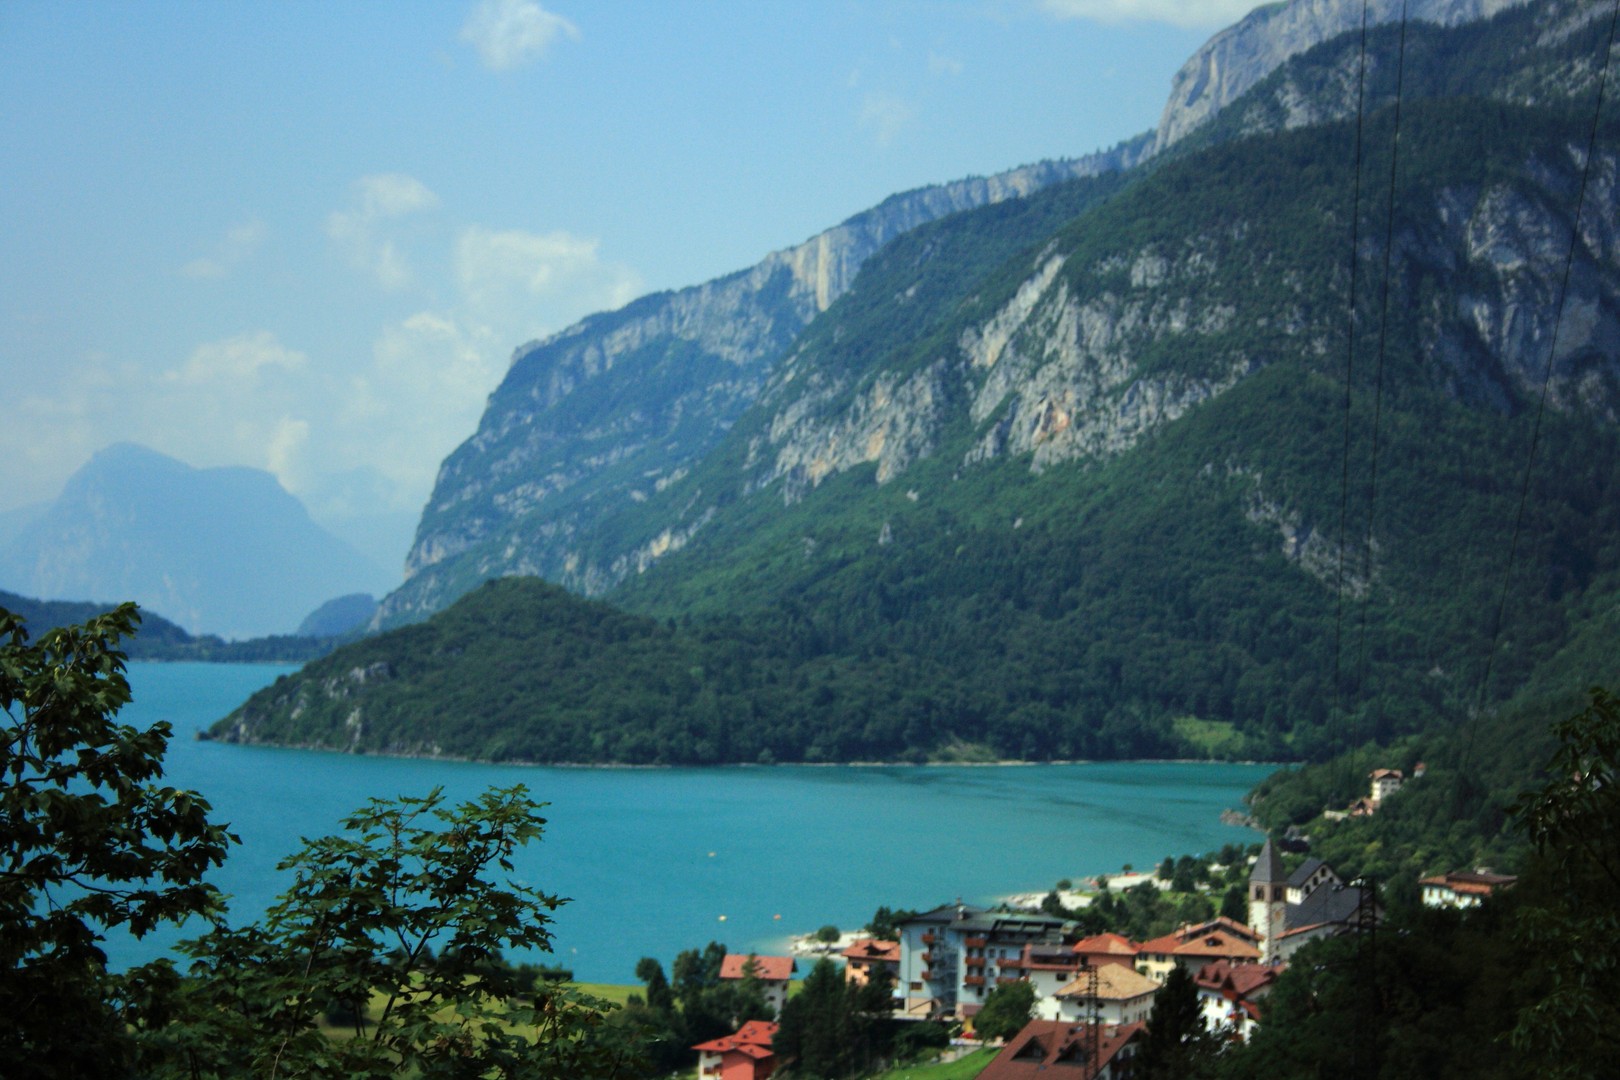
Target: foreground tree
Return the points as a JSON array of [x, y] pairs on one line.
[[1006, 1010], [1573, 923], [89, 842], [833, 1029], [393, 926], [1178, 1046]]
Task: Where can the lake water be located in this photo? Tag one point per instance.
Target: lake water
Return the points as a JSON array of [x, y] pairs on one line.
[[653, 858]]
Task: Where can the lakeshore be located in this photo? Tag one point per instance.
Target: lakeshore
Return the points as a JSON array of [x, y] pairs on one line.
[[651, 858]]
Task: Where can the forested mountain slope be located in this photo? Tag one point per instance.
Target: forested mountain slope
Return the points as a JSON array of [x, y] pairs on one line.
[[1100, 472], [597, 417]]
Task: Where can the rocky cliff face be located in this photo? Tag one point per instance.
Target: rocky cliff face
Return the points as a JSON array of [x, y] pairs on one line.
[[619, 405], [1237, 58], [1071, 365], [1080, 360]]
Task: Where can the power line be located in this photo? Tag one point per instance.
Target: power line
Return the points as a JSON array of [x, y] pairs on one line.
[[1378, 378], [1541, 406], [1349, 381]]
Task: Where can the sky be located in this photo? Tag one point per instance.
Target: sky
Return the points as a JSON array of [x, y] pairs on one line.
[[307, 237]]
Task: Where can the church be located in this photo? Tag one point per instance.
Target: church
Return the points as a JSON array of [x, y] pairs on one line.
[[1287, 910]]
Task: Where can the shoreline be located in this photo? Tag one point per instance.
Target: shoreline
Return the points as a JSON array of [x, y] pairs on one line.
[[203, 735]]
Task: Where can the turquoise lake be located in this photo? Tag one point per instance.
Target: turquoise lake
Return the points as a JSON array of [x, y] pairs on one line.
[[652, 858]]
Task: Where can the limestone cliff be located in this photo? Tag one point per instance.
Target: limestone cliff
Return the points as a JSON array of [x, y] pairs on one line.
[[1237, 58], [620, 404], [594, 459]]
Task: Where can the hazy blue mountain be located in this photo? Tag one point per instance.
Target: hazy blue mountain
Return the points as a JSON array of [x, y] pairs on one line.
[[14, 521], [222, 551], [339, 616]]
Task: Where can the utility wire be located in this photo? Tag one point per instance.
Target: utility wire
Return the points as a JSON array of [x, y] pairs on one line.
[[1541, 407], [1378, 378], [1349, 383]]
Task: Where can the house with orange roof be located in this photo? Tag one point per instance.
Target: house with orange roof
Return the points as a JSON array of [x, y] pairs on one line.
[[747, 1055], [1108, 948], [870, 957], [1230, 995], [773, 972], [1382, 783], [1060, 1050], [1192, 947], [1463, 888], [1122, 995]]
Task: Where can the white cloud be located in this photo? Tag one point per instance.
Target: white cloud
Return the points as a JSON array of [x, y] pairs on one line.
[[884, 115], [357, 231], [1189, 14], [282, 455], [508, 33], [525, 282], [238, 359], [943, 65], [422, 395], [238, 245]]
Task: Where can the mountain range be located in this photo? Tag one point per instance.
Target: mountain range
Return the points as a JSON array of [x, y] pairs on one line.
[[1286, 427]]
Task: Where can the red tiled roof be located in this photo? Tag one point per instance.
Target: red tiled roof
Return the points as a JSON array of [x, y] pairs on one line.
[[753, 1038], [1237, 981], [1471, 884], [1110, 944], [873, 949], [766, 968], [1055, 1049], [1210, 939], [1114, 983]]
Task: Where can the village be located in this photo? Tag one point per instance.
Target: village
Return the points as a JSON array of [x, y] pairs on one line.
[[1091, 993]]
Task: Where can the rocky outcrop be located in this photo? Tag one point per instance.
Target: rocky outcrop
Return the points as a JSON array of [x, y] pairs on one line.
[[1237, 58], [618, 410], [620, 403], [1063, 370]]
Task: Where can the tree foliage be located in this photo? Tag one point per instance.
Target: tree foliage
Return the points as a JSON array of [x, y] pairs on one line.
[[1177, 1045], [1007, 1008], [1574, 822], [396, 925], [90, 841], [833, 1029]]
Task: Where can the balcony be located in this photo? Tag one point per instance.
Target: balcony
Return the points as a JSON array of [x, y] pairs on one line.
[[976, 942], [974, 961], [973, 980], [930, 938], [927, 957], [1004, 980]]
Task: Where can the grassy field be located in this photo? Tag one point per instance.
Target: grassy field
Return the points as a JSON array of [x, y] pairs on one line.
[[965, 1069], [609, 991]]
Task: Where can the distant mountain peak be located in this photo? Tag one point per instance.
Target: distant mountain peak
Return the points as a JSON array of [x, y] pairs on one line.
[[223, 550]]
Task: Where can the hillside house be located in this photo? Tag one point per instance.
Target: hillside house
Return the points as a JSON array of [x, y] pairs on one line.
[[773, 972], [1230, 995], [951, 957], [1059, 1050], [1382, 783], [871, 957], [1123, 996], [747, 1055], [1463, 888]]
